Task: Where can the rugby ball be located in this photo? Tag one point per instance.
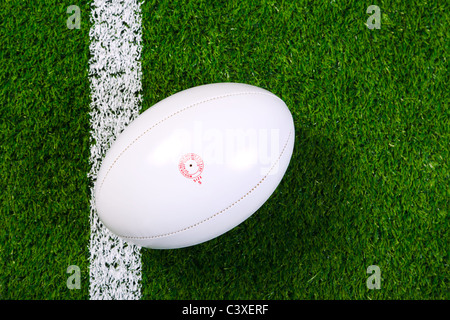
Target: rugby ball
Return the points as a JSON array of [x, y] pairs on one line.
[[194, 165]]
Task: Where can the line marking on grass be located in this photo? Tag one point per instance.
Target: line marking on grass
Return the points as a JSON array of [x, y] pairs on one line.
[[115, 80]]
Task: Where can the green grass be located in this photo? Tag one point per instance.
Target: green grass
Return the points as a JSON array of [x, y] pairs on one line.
[[368, 183], [44, 150]]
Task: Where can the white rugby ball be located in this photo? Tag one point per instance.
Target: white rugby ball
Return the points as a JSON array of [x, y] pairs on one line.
[[195, 165]]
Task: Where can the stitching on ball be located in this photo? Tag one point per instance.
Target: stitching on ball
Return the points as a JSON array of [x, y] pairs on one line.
[[219, 212], [170, 116]]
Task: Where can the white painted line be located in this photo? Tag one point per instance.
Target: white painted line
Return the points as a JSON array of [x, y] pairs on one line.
[[115, 77]]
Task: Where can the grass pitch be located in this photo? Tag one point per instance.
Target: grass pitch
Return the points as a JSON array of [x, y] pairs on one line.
[[368, 183], [44, 150]]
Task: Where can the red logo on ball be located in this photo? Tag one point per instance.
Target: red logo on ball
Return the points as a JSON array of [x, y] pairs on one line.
[[191, 166]]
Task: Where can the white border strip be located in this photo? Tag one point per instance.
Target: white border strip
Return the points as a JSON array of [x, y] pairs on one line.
[[115, 78]]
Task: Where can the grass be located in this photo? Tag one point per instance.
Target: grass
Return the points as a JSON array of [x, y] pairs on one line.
[[368, 183], [44, 151]]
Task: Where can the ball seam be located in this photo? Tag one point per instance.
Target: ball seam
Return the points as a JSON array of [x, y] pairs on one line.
[[167, 118], [219, 212]]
